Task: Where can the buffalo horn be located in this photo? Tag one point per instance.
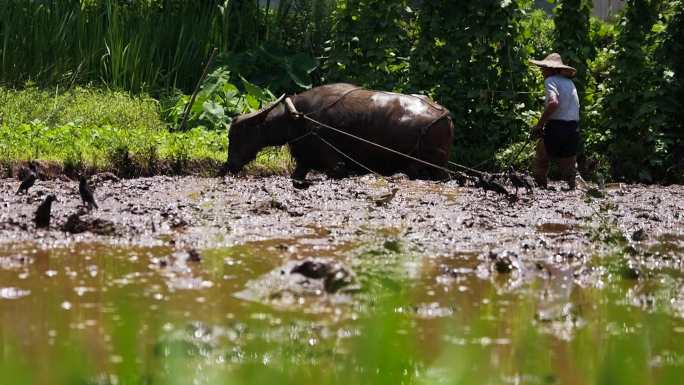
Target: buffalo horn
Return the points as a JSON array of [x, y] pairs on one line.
[[265, 110]]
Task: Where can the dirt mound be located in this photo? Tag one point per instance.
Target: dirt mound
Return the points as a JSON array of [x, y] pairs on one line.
[[323, 279]]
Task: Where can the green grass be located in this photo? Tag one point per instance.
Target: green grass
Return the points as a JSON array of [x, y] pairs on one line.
[[81, 106], [93, 130], [618, 346]]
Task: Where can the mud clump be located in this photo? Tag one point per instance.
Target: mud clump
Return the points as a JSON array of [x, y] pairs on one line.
[[334, 275], [313, 278], [268, 207], [194, 256], [503, 263], [639, 235], [77, 224], [103, 177]]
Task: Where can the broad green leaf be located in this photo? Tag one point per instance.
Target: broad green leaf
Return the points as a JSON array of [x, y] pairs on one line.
[[299, 67], [254, 91], [213, 111]]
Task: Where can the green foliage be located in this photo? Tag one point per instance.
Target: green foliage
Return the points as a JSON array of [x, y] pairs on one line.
[[297, 25], [132, 45], [537, 31], [108, 130], [671, 55], [87, 146], [633, 108], [272, 67], [471, 59], [370, 43], [82, 106], [217, 102], [150, 45]]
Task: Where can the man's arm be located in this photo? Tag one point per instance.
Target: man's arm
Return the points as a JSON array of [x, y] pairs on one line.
[[551, 107]]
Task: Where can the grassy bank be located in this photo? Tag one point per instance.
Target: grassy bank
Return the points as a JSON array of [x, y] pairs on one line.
[[100, 130]]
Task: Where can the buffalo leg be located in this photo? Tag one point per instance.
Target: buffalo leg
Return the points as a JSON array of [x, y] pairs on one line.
[[414, 170], [299, 177], [339, 171], [437, 158], [223, 170], [300, 172]]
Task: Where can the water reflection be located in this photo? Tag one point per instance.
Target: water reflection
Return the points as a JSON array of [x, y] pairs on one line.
[[51, 295]]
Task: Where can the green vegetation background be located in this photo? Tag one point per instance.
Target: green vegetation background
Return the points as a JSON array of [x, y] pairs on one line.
[[470, 56]]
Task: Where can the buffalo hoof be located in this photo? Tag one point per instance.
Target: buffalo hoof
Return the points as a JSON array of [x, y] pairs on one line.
[[340, 171], [301, 184], [223, 170]]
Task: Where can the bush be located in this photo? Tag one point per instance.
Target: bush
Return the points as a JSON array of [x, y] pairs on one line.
[[632, 107]]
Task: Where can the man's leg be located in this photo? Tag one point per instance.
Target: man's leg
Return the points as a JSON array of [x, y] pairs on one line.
[[540, 168], [568, 170]]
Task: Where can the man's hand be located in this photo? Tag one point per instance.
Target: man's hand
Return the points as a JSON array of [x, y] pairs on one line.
[[537, 132]]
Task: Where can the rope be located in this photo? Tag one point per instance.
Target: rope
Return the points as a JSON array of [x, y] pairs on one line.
[[349, 157], [344, 95], [462, 167], [297, 139], [450, 172], [510, 161], [517, 155], [483, 163], [353, 160]]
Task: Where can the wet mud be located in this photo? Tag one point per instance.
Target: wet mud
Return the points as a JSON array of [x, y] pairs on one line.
[[427, 217], [256, 248], [546, 230]]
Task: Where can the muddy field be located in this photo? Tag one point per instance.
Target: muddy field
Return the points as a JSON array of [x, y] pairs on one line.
[[207, 250], [426, 218]]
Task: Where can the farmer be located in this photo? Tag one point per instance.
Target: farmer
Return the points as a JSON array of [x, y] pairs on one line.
[[559, 124]]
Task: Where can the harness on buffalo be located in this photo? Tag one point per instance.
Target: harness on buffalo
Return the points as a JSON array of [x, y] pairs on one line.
[[289, 105], [424, 130], [296, 115]]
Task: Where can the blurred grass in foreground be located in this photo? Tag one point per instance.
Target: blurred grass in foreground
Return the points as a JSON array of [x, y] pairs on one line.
[[619, 345]]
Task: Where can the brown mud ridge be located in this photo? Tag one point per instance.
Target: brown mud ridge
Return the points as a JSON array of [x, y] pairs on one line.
[[125, 166], [540, 235]]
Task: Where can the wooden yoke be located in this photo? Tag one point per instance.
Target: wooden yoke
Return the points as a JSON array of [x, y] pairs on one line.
[[291, 109]]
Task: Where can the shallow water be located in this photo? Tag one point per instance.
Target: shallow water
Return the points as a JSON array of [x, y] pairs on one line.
[[472, 274], [65, 293]]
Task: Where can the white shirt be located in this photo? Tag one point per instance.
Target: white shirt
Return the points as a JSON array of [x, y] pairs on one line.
[[566, 93]]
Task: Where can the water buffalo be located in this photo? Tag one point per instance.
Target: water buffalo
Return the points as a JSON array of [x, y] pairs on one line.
[[406, 123]]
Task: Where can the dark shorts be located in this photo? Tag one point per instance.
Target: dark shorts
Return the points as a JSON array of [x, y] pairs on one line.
[[561, 138]]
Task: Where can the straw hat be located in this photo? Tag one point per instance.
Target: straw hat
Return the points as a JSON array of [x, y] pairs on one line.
[[554, 61]]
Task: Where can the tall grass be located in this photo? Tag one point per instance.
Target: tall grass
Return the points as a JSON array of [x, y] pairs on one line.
[[140, 44], [130, 45]]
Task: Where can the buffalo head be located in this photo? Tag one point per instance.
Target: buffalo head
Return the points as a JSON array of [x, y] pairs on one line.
[[246, 137]]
